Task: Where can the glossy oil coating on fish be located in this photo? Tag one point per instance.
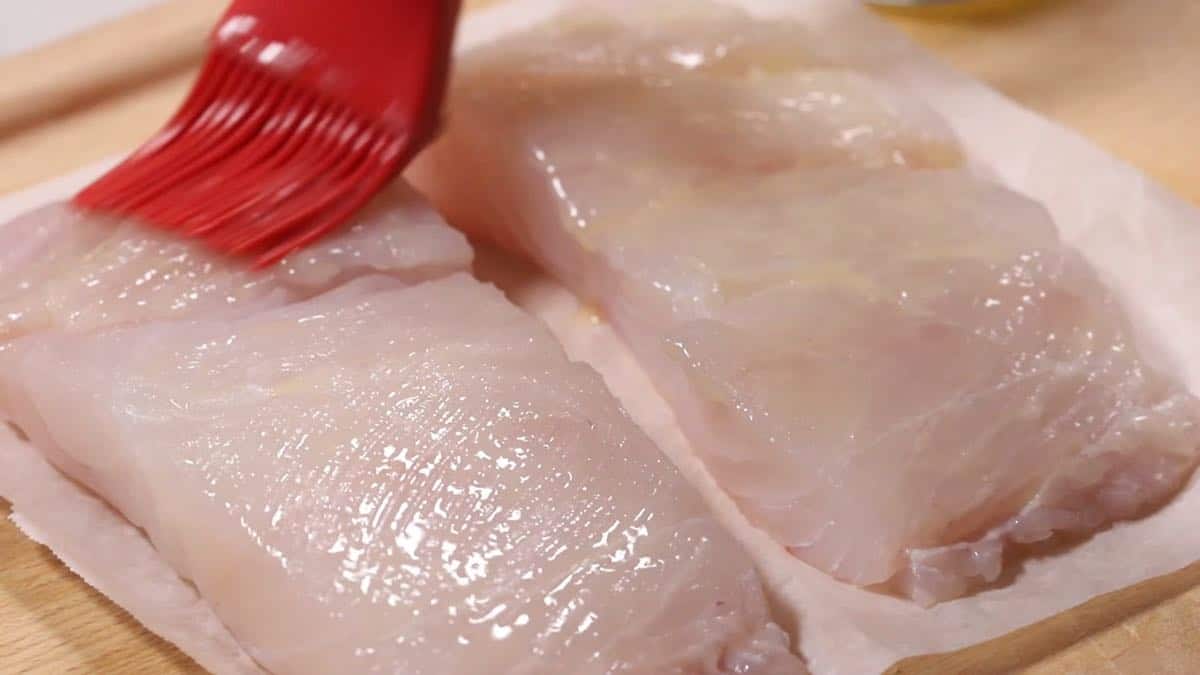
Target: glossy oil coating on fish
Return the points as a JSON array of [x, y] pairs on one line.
[[391, 476], [62, 269], [401, 480], [893, 366]]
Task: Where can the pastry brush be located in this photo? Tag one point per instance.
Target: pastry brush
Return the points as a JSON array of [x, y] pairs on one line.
[[303, 110]]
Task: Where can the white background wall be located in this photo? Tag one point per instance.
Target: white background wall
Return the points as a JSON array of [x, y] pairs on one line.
[[28, 23]]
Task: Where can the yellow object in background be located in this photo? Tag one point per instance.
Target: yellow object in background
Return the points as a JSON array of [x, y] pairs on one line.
[[951, 8]]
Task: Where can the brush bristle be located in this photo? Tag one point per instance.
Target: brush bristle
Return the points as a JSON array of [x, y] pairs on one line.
[[252, 164]]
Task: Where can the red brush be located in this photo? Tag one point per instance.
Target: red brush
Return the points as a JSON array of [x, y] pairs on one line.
[[303, 111]]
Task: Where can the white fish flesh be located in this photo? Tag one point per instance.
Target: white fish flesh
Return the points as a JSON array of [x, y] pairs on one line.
[[62, 269], [388, 476], [893, 366]]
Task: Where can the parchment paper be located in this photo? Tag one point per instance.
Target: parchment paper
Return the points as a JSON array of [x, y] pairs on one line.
[[1144, 241]]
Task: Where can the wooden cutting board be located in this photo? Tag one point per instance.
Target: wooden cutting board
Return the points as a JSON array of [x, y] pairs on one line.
[[1124, 73]]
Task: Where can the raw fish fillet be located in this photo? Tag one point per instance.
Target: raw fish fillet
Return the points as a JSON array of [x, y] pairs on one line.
[[389, 476], [894, 367], [60, 268]]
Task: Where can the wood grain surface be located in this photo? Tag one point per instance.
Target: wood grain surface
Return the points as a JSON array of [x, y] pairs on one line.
[[1122, 72]]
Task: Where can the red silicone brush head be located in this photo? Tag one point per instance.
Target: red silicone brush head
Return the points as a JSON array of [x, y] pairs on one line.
[[302, 112]]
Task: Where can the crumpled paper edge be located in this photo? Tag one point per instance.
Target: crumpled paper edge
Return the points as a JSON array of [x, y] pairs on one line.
[[112, 556], [1142, 239]]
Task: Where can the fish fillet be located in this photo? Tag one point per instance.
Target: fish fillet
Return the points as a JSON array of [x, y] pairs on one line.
[[387, 476], [62, 269], [893, 366]]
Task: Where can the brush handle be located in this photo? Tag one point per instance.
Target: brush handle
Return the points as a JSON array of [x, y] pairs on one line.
[[385, 58]]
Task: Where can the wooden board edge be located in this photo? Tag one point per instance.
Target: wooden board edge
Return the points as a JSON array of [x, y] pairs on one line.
[[82, 69]]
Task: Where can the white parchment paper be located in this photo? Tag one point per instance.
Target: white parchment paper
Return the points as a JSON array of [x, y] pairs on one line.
[[1144, 241]]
